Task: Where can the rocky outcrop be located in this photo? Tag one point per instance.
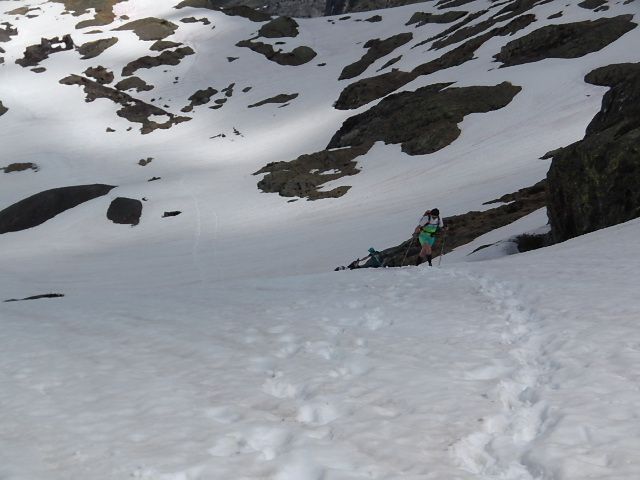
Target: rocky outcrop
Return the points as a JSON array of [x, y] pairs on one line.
[[282, 98], [133, 83], [421, 18], [376, 49], [150, 28], [93, 49], [201, 97], [304, 176], [298, 56], [125, 211], [34, 54], [3, 109], [100, 74], [423, 121], [279, 27], [235, 8], [19, 167], [167, 57], [593, 183], [7, 31], [568, 40], [43, 206], [103, 11]]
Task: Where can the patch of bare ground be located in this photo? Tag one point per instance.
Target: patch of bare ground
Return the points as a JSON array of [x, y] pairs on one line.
[[376, 49], [167, 57], [93, 49], [134, 110], [34, 54]]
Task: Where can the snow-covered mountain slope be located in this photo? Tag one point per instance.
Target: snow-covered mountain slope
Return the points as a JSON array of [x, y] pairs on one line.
[[215, 344]]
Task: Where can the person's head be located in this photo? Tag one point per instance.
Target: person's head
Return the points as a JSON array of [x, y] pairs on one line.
[[435, 212]]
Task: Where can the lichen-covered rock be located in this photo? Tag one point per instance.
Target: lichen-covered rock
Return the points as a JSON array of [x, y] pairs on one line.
[[567, 40], [593, 183], [126, 211], [43, 206], [423, 121]]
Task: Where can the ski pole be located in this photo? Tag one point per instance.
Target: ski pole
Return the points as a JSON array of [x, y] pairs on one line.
[[444, 237], [406, 252]]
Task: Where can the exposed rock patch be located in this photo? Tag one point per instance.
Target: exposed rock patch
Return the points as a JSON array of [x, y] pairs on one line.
[[125, 211], [393, 61], [150, 28], [36, 297], [279, 27], [103, 11], [173, 213], [93, 49], [373, 19], [423, 121], [19, 167], [304, 176], [377, 49], [3, 109], [34, 54], [43, 206], [421, 18], [167, 57], [7, 32], [298, 56], [595, 5], [100, 74], [234, 11], [160, 45], [569, 40], [593, 183], [203, 20], [133, 83], [282, 98], [201, 97], [132, 109]]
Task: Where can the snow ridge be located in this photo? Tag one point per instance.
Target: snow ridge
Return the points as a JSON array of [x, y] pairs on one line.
[[502, 448]]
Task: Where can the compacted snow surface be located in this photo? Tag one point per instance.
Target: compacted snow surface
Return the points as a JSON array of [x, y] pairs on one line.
[[219, 344]]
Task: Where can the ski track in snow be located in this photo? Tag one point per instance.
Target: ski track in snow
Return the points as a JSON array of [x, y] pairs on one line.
[[500, 449]]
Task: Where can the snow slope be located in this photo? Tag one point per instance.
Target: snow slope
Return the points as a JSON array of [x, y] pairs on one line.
[[218, 344]]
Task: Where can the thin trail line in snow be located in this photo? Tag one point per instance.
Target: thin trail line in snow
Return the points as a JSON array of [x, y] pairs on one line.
[[501, 449]]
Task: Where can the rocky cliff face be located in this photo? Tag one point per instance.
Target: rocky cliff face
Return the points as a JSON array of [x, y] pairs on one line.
[[593, 183], [316, 8]]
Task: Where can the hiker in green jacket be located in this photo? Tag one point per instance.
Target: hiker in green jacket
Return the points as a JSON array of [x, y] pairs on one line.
[[428, 227]]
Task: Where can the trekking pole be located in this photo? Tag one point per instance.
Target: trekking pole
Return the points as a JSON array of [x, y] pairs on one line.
[[406, 252], [444, 237]]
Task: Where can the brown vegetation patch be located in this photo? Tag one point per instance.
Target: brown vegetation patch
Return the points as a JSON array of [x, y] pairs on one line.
[[150, 28], [95, 48], [304, 176], [298, 56], [569, 40], [167, 57], [376, 49], [282, 98], [34, 54], [423, 121], [134, 110]]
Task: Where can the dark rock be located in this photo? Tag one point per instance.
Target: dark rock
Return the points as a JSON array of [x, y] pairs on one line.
[[101, 74], [595, 5], [423, 121], [132, 109], [555, 15], [34, 54], [103, 11], [171, 214], [150, 28], [110, 130], [95, 48], [37, 297], [444, 4], [232, 59], [7, 32], [454, 28], [20, 167], [39, 70], [298, 56], [279, 27], [393, 61], [304, 176], [377, 49], [43, 206], [167, 57], [421, 18], [367, 90], [201, 97], [203, 20], [153, 179], [238, 10], [160, 45], [143, 162], [3, 109], [133, 83], [282, 98], [568, 40], [374, 19], [593, 183], [125, 211]]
